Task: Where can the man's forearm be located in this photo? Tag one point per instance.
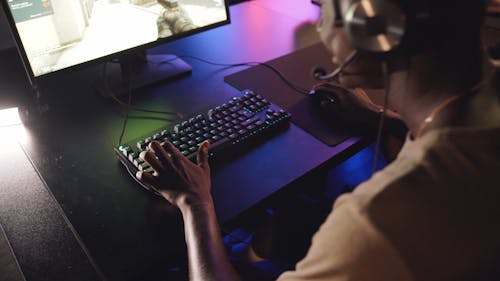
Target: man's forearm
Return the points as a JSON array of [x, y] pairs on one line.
[[208, 259]]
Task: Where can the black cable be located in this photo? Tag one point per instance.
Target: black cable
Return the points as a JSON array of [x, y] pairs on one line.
[[145, 110], [127, 111], [284, 79], [150, 118], [120, 102], [268, 66], [385, 74], [129, 107]]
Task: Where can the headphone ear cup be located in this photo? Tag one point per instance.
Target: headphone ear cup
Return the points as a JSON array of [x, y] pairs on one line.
[[375, 26]]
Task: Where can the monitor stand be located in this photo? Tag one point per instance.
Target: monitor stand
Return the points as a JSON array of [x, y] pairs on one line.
[[139, 70]]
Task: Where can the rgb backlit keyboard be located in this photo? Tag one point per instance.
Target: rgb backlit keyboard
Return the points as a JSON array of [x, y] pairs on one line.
[[228, 125]]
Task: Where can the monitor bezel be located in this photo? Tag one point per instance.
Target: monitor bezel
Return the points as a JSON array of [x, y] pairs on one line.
[[27, 66]]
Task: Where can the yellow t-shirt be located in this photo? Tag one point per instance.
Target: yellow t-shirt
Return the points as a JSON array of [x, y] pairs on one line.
[[432, 214]]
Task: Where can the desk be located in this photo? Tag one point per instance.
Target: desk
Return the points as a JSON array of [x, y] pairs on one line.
[[92, 221]]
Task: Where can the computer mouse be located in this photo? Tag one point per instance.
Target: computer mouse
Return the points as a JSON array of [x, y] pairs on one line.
[[337, 107], [327, 97]]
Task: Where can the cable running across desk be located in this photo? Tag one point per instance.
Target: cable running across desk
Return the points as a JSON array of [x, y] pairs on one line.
[[129, 107], [266, 65]]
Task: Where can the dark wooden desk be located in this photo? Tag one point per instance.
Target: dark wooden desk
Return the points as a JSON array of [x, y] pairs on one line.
[[93, 222]]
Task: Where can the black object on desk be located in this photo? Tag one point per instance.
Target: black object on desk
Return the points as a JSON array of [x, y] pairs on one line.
[[295, 68]]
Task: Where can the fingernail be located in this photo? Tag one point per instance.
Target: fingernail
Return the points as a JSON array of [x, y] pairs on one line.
[[138, 175], [154, 144]]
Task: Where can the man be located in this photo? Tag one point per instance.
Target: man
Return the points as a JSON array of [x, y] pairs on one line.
[[433, 213]]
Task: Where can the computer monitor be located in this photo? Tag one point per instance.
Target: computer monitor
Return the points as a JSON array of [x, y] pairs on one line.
[[57, 35]]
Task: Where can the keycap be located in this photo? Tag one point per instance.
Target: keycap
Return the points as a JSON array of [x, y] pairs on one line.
[[250, 121], [131, 156], [125, 150], [141, 145], [137, 161], [149, 170], [216, 145], [143, 166], [246, 113]]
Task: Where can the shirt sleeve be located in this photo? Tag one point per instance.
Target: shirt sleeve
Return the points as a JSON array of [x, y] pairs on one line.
[[348, 247]]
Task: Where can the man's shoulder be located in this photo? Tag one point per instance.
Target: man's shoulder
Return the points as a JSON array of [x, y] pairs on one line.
[[435, 204]]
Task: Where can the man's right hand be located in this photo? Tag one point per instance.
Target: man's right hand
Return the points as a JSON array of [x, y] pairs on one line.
[[356, 110], [179, 180], [353, 107]]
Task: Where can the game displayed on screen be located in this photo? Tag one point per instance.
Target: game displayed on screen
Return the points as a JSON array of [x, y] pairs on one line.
[[57, 34]]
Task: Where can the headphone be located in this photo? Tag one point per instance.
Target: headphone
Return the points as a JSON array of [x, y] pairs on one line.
[[372, 26]]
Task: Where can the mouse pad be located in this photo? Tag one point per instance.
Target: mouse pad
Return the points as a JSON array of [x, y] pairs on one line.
[[296, 67]]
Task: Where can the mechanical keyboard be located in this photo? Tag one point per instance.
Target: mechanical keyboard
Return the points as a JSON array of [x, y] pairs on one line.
[[228, 125]]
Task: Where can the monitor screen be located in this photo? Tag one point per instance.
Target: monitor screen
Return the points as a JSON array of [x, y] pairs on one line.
[[58, 34]]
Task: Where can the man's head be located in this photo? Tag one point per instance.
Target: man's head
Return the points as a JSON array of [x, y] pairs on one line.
[[426, 25]]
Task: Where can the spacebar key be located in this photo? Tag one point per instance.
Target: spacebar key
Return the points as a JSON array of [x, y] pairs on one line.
[[218, 145], [250, 121]]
